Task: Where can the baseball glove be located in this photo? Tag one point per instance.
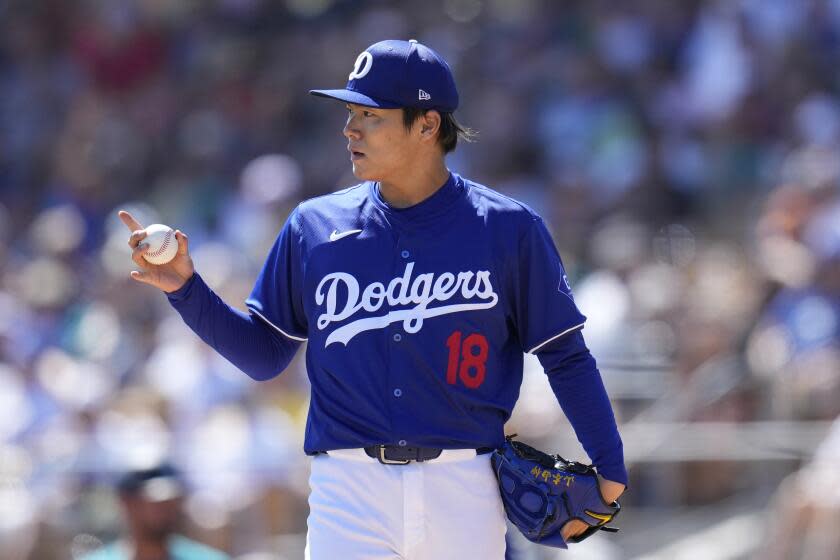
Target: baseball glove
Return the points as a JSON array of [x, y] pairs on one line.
[[541, 493]]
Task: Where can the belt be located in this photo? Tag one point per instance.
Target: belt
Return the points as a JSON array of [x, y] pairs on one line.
[[396, 455]]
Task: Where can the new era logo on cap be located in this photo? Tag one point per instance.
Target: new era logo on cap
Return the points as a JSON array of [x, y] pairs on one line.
[[393, 74]]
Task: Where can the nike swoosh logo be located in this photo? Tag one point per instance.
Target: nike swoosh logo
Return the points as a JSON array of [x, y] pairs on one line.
[[335, 236]]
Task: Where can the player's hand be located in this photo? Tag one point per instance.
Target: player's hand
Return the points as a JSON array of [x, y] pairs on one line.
[[610, 491], [167, 277]]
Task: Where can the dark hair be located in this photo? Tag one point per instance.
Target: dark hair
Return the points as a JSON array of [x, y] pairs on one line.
[[450, 128]]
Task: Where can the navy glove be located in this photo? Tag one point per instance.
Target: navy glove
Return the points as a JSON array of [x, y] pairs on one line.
[[541, 493]]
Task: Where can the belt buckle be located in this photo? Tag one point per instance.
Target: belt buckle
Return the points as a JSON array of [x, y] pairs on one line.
[[384, 461]]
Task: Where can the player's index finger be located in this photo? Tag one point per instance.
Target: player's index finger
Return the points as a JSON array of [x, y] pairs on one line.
[[129, 221]]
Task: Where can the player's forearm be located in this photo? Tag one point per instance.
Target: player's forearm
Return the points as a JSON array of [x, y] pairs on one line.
[[577, 384], [243, 339]]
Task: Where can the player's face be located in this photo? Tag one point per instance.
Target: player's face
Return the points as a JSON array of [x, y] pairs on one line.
[[153, 519], [380, 147]]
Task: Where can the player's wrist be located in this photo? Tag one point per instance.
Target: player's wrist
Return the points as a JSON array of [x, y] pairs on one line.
[[182, 292], [610, 490]]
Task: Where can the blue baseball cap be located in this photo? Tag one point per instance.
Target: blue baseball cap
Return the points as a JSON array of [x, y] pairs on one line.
[[393, 74]]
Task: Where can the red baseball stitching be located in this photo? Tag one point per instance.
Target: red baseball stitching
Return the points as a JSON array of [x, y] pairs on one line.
[[163, 245]]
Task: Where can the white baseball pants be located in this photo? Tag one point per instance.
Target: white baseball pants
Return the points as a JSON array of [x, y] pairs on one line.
[[445, 508]]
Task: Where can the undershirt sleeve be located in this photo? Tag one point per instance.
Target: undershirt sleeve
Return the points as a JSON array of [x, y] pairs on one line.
[[578, 387], [243, 339]]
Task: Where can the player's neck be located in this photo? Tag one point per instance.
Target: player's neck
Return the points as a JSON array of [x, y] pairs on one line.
[[414, 188]]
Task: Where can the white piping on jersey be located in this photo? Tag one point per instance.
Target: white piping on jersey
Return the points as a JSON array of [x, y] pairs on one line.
[[556, 336], [401, 290], [284, 333]]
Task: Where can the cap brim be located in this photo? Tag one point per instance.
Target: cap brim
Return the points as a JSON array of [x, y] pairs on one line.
[[161, 490], [350, 96]]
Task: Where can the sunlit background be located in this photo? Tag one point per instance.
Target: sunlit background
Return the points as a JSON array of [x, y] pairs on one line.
[[685, 155]]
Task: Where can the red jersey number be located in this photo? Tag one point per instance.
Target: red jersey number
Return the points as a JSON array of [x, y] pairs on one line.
[[472, 357]]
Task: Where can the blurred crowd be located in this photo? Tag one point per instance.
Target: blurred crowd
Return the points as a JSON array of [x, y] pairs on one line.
[[685, 155]]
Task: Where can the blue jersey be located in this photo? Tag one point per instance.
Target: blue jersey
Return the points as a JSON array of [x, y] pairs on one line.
[[416, 319]]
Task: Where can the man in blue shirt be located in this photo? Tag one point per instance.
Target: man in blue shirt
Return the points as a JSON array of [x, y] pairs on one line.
[[417, 291]]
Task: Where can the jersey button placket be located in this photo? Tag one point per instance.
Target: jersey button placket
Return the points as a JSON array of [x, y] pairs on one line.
[[401, 348], [395, 352]]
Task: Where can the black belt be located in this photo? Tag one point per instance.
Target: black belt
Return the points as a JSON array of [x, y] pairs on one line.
[[396, 455]]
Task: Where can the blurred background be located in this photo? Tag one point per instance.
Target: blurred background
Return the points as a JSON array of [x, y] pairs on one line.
[[685, 155]]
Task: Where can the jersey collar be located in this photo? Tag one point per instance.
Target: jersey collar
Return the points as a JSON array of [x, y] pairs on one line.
[[440, 201]]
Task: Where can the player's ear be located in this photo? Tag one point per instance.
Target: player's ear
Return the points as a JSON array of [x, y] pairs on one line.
[[430, 124]]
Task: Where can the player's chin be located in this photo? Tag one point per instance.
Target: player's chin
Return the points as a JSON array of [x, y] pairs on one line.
[[363, 172]]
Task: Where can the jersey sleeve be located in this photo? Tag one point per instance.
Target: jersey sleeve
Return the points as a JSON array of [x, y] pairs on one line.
[[277, 294], [544, 309]]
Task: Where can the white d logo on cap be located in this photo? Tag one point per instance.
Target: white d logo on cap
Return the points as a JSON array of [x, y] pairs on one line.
[[358, 72]]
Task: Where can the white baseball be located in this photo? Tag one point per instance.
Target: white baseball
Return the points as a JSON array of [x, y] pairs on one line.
[[163, 246]]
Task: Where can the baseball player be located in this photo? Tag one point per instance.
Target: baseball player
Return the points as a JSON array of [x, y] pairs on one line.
[[418, 291]]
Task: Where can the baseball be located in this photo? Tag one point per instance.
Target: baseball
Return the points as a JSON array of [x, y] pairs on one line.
[[163, 246]]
